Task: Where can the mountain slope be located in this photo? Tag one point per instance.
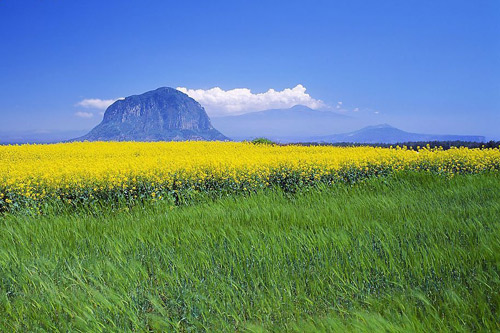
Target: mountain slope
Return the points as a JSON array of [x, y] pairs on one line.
[[164, 114], [387, 134]]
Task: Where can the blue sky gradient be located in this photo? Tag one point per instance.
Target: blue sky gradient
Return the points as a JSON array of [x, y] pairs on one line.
[[424, 66]]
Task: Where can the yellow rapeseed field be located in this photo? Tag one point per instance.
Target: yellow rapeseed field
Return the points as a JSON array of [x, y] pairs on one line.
[[86, 171]]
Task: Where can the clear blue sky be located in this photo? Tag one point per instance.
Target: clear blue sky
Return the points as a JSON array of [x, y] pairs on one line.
[[425, 66]]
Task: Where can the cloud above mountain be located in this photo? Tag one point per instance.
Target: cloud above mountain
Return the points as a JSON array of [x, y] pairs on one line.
[[83, 114], [219, 102], [96, 103]]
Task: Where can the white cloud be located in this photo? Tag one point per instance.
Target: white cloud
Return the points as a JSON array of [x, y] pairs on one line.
[[355, 110], [96, 103], [83, 114], [218, 102]]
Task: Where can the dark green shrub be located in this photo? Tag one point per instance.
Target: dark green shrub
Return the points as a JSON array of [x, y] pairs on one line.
[[262, 141]]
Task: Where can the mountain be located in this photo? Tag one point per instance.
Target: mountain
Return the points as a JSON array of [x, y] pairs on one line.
[[164, 114], [285, 125], [387, 134]]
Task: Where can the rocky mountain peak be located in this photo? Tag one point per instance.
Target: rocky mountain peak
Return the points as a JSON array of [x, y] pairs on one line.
[[164, 114]]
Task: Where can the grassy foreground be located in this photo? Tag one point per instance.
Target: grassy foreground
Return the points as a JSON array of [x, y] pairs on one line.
[[411, 252]]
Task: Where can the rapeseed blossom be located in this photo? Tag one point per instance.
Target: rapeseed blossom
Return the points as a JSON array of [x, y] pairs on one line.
[[76, 172]]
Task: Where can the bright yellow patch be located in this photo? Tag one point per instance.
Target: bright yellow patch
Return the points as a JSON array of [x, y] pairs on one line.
[[37, 171]]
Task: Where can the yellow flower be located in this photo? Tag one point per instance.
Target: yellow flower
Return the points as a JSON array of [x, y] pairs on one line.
[[50, 171]]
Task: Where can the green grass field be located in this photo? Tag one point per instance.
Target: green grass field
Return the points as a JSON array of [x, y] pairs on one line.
[[411, 252]]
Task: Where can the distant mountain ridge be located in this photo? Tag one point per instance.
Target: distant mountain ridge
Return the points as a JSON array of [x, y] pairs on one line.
[[285, 124], [164, 114], [31, 137], [303, 124], [385, 133]]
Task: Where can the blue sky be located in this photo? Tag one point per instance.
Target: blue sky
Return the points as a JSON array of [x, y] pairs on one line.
[[423, 66]]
